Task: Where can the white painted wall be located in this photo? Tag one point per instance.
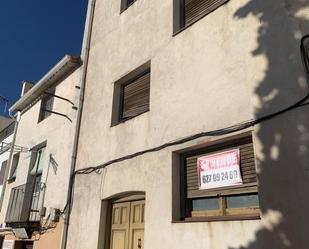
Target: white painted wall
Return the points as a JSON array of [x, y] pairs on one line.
[[242, 61]]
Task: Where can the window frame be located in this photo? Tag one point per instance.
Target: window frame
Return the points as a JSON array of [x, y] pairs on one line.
[[118, 95], [4, 165], [223, 212], [45, 113], [125, 4], [33, 161], [13, 170], [182, 205], [179, 15], [38, 158]]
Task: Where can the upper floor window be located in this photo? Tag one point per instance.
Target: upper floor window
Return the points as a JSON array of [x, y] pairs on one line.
[[13, 171], [131, 95], [37, 162], [126, 4], [2, 173], [47, 103], [187, 12]]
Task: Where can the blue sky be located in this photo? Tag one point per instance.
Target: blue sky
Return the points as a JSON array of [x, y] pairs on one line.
[[35, 35]]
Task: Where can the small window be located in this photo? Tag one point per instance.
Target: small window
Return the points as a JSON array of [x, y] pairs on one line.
[[47, 103], [15, 162], [223, 196], [38, 160], [126, 4], [187, 12], [131, 95], [2, 172]]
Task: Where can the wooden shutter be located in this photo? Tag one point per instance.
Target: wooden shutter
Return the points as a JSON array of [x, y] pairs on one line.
[[136, 97], [247, 167], [195, 9]]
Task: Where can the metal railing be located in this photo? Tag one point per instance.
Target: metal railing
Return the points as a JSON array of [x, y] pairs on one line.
[[25, 203]]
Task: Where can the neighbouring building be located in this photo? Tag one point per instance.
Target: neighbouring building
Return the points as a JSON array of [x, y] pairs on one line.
[[36, 193], [6, 139], [177, 144]]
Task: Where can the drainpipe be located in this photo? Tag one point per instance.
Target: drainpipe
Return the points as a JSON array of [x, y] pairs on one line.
[[7, 170], [85, 58]]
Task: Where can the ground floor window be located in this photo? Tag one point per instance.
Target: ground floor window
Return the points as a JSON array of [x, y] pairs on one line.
[[216, 182]]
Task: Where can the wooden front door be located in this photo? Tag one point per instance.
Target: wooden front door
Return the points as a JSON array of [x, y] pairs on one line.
[[127, 231]]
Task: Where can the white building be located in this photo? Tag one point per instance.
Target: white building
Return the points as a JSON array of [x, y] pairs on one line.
[[36, 193], [160, 71]]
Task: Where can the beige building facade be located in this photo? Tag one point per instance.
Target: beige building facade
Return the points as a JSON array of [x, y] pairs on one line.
[[161, 71], [40, 166]]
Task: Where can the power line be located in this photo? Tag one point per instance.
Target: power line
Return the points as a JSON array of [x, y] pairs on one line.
[[304, 49], [219, 132]]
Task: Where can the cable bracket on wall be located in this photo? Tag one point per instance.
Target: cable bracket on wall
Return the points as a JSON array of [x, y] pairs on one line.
[[59, 97], [57, 113]]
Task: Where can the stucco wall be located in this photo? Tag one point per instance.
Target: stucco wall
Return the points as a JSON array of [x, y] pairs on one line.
[[240, 62], [58, 132]]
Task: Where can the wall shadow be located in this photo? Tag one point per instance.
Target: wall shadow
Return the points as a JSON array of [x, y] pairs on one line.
[[282, 142]]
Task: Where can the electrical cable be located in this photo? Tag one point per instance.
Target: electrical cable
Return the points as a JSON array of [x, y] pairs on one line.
[[219, 132], [304, 48]]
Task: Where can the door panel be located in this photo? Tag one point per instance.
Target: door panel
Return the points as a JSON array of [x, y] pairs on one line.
[[127, 231], [118, 239], [137, 225], [120, 226], [137, 239]]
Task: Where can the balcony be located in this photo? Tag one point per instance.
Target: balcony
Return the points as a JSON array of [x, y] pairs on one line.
[[25, 205]]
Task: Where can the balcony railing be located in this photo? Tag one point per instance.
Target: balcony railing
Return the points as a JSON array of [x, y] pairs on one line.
[[25, 203]]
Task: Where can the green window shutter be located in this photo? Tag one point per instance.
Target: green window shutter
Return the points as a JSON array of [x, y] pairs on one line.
[[39, 162]]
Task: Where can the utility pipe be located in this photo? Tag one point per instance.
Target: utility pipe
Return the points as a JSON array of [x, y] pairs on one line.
[[85, 58]]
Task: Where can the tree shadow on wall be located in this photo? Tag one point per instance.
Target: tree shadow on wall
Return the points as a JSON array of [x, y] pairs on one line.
[[283, 142]]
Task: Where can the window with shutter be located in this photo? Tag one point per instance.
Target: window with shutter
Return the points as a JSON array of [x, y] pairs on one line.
[[136, 97], [38, 165], [229, 202], [15, 161], [131, 95], [187, 12]]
